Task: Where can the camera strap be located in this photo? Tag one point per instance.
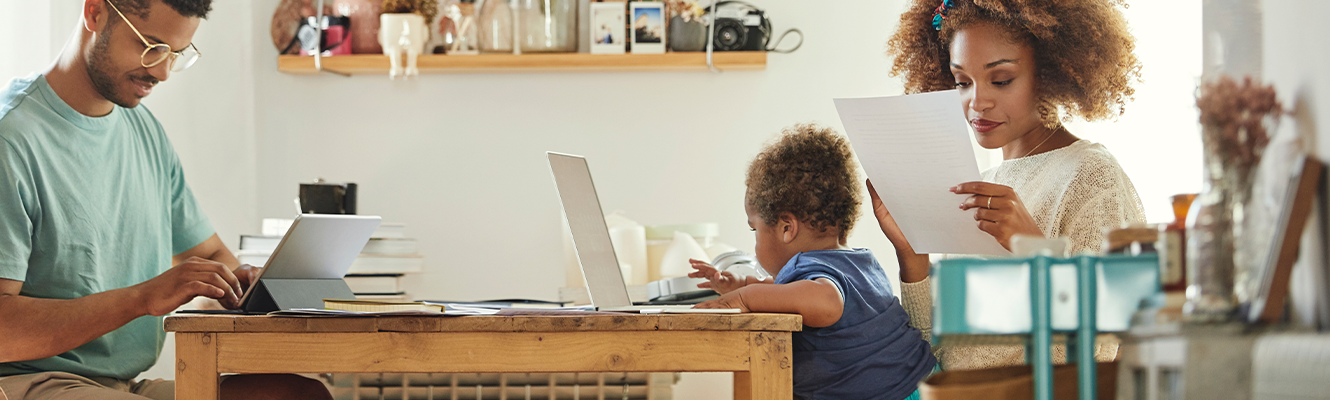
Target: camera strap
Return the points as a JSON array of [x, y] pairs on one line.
[[773, 47]]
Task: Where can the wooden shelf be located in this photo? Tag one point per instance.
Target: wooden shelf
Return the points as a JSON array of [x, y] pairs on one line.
[[363, 64]]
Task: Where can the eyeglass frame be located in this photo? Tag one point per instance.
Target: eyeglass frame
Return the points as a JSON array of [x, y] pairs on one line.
[[173, 55]]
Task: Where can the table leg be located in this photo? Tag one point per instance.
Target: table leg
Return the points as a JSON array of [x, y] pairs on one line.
[[770, 375], [196, 375]]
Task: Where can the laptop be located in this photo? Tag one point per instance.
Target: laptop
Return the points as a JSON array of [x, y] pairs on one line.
[[308, 264], [591, 240]]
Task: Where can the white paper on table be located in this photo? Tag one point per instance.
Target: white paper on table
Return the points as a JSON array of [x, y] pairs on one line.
[[914, 149]]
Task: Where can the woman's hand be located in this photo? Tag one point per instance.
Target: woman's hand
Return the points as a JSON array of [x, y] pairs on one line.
[[913, 267], [998, 211], [887, 223], [721, 282]]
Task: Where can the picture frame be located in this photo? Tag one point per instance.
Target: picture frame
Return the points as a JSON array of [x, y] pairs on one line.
[[609, 28], [647, 27], [1282, 198]]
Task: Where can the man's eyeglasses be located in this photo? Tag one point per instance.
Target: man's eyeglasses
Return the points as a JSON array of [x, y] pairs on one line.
[[155, 54]]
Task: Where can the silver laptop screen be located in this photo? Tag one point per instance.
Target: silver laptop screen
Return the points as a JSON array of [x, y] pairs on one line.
[[591, 238]]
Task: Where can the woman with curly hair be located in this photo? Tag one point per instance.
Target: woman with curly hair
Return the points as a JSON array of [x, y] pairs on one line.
[[1023, 67]]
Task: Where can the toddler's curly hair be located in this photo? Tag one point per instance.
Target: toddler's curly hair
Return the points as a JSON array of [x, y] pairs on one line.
[[810, 172], [1083, 51]]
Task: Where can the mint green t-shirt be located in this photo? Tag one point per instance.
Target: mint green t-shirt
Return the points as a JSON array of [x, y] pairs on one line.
[[89, 205]]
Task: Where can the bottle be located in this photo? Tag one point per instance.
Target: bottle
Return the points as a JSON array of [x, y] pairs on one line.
[[548, 26], [496, 27], [1173, 246]]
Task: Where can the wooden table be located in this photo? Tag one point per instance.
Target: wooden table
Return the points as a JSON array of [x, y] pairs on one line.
[[756, 347]]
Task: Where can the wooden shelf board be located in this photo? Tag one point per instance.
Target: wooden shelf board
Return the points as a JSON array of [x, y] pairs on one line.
[[364, 64]]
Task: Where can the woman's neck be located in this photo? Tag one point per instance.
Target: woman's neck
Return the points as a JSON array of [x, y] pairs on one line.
[[1038, 141]]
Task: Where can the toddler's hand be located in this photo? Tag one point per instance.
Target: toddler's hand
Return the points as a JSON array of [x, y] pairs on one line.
[[732, 299], [721, 282]]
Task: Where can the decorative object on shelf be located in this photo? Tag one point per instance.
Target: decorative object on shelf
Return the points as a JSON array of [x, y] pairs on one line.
[[364, 15], [294, 30], [1234, 121], [286, 20], [333, 38], [403, 28], [441, 28], [741, 26], [497, 27], [648, 19], [608, 28], [548, 26], [402, 33], [687, 31], [458, 28], [427, 9]]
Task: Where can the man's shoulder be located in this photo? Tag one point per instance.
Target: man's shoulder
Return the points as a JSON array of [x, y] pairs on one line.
[[17, 108]]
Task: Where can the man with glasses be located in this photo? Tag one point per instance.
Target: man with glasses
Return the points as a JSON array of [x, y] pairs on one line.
[[99, 233]]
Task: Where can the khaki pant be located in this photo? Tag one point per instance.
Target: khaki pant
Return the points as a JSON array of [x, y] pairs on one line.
[[66, 386]]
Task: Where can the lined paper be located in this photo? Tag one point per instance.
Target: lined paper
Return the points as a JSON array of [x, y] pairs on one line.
[[915, 148]]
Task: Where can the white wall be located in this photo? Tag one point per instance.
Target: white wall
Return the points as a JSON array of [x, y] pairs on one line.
[[1297, 69]]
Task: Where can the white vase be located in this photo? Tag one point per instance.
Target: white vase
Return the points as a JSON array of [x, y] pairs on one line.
[[402, 33]]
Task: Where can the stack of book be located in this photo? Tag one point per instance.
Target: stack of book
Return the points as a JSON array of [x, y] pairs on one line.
[[375, 275]]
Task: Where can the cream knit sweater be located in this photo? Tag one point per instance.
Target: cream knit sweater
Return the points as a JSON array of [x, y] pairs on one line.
[[1079, 192]]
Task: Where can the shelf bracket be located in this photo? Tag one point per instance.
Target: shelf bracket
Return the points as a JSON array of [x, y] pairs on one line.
[[318, 37], [711, 39]]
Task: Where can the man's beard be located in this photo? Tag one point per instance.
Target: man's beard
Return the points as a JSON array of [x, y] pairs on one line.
[[103, 80]]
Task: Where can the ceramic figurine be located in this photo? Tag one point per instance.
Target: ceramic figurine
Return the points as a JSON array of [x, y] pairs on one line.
[[402, 33]]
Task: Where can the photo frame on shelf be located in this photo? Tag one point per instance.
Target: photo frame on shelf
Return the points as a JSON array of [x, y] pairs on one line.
[[647, 19], [609, 28], [1283, 194]]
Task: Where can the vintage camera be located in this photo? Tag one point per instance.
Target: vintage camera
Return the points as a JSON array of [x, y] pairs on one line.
[[740, 26]]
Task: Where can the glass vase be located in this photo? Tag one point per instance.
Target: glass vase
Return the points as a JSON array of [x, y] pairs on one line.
[[1214, 226], [497, 26], [548, 26]]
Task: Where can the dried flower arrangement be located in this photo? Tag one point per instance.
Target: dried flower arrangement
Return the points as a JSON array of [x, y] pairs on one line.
[[687, 9], [424, 8], [1233, 118]]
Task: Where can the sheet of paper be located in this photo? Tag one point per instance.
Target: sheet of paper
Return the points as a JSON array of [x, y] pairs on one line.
[[915, 148]]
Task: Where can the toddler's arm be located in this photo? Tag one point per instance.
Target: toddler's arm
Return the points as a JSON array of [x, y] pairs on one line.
[[818, 300]]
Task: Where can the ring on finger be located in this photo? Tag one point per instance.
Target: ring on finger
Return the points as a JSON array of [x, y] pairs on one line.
[[990, 203]]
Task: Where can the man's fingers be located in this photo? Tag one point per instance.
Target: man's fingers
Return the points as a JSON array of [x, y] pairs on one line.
[[228, 277], [217, 268], [199, 288], [228, 295]]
